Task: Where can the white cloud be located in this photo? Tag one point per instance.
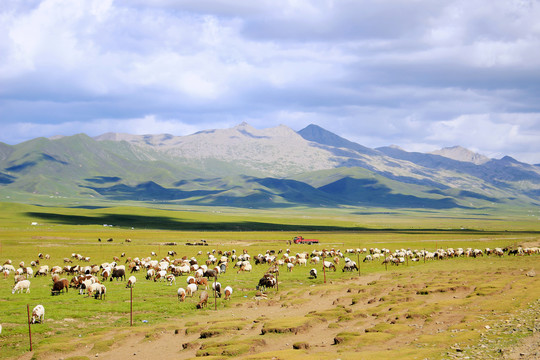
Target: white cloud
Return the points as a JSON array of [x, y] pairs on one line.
[[375, 72]]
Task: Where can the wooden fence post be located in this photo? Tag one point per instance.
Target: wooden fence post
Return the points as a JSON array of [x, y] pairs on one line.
[[215, 292], [131, 306], [358, 259], [324, 269], [29, 327]]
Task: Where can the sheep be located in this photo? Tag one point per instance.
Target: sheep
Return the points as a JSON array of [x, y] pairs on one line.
[[210, 273], [150, 274], [203, 300], [43, 270], [329, 265], [350, 266], [93, 288], [290, 267], [313, 273], [118, 274], [190, 280], [245, 266], [100, 291], [131, 281], [20, 286], [170, 278], [18, 278], [228, 292], [216, 286], [59, 285], [85, 284], [202, 282], [38, 314], [266, 281], [160, 275], [181, 294], [191, 289]]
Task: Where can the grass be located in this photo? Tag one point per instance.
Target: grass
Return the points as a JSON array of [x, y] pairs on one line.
[[71, 318]]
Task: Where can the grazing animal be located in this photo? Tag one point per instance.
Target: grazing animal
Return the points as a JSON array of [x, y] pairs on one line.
[[228, 292], [313, 273], [170, 279], [100, 291], [191, 289], [59, 286], [203, 300], [38, 314], [202, 282], [216, 286], [350, 266], [20, 286], [329, 265], [181, 294], [210, 273], [266, 281], [118, 274], [131, 281]]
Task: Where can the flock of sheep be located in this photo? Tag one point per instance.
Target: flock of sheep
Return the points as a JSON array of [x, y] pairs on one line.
[[86, 278]]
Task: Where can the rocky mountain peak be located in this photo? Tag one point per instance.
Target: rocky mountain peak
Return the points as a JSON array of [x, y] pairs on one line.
[[461, 154]]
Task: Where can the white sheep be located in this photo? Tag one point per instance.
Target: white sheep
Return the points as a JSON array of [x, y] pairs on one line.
[[228, 292], [131, 281], [38, 314], [20, 286], [191, 289], [181, 294]]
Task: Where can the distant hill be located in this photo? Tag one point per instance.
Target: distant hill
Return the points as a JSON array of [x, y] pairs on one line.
[[247, 167]]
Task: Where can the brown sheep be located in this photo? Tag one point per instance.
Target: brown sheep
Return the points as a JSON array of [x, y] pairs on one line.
[[203, 300]]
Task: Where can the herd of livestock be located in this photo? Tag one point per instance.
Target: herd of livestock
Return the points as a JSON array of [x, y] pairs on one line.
[[91, 279]]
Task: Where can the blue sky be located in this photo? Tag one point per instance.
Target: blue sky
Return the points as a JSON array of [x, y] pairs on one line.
[[418, 74]]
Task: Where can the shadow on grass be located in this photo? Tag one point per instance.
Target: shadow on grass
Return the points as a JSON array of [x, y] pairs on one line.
[[168, 223]]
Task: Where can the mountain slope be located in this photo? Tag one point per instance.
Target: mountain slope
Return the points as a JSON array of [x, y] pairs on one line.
[[246, 167]]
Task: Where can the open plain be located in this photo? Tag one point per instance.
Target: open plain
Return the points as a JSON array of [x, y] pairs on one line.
[[423, 308]]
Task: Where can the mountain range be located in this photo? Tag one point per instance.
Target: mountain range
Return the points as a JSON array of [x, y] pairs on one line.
[[274, 167]]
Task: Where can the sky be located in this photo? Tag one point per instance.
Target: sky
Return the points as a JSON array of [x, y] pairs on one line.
[[419, 74]]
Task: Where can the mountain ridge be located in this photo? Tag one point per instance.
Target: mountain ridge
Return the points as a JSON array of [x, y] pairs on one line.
[[274, 167]]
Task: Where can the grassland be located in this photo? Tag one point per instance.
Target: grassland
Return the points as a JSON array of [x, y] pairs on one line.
[[421, 310]]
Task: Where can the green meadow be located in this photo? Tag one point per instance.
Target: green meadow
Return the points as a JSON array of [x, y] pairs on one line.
[[72, 319]]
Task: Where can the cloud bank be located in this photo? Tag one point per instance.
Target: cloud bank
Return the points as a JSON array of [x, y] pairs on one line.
[[419, 74]]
